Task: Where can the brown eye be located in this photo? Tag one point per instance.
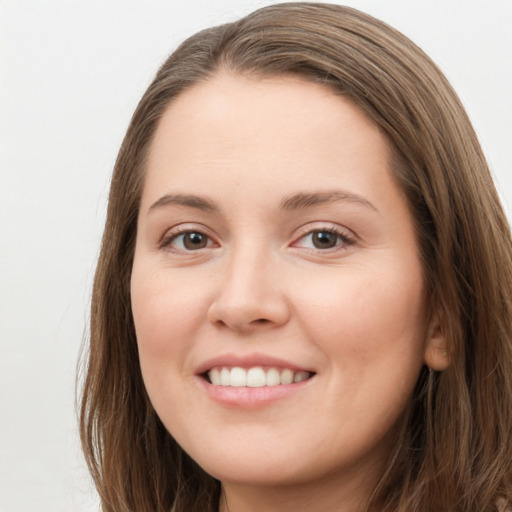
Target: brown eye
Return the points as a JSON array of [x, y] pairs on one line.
[[187, 241], [194, 240], [324, 239]]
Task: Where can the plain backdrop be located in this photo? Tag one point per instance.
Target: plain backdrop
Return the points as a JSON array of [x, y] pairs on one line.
[[71, 73]]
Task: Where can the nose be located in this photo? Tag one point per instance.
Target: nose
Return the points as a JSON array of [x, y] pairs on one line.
[[250, 295]]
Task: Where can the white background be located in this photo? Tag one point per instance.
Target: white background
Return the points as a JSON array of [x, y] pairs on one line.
[[71, 73]]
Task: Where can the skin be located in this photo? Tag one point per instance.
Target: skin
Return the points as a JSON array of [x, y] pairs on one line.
[[353, 314]]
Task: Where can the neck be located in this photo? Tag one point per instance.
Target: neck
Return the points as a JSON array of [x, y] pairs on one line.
[[335, 493]]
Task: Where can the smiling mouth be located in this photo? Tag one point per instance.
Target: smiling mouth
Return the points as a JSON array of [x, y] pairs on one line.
[[255, 377]]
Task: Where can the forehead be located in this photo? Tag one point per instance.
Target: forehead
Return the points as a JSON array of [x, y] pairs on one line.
[[261, 103], [284, 125]]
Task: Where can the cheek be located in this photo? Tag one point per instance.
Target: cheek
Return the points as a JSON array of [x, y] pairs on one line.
[[164, 319], [370, 328], [166, 314], [366, 316]]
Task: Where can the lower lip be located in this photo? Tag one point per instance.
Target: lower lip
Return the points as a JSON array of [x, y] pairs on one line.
[[247, 397]]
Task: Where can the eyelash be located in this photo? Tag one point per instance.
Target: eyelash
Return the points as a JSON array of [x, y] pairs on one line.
[[166, 242], [343, 238]]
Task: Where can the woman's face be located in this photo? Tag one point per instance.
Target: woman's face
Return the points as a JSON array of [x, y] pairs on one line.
[[277, 290]]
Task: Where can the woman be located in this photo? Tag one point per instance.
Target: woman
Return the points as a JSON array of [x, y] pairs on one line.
[[303, 296]]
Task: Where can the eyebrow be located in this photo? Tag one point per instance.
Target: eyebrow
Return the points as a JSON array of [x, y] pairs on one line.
[[298, 201], [190, 200], [308, 200]]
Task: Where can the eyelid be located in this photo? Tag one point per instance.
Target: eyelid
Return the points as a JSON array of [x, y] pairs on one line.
[[181, 229], [347, 236]]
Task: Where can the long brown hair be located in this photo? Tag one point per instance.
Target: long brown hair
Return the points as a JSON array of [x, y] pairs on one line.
[[454, 452]]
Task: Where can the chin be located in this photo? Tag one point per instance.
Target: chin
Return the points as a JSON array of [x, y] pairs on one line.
[[253, 464], [256, 473]]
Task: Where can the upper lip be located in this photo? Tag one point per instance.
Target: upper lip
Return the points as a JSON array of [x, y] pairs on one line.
[[248, 361]]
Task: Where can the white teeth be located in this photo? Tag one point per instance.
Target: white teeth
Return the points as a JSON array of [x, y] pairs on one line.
[[255, 377], [215, 377], [225, 379], [273, 377], [300, 376], [238, 377], [286, 377]]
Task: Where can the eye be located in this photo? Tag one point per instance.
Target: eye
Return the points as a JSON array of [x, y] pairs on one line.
[[324, 239], [186, 241]]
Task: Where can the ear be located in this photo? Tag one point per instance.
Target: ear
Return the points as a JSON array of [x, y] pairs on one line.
[[436, 354]]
